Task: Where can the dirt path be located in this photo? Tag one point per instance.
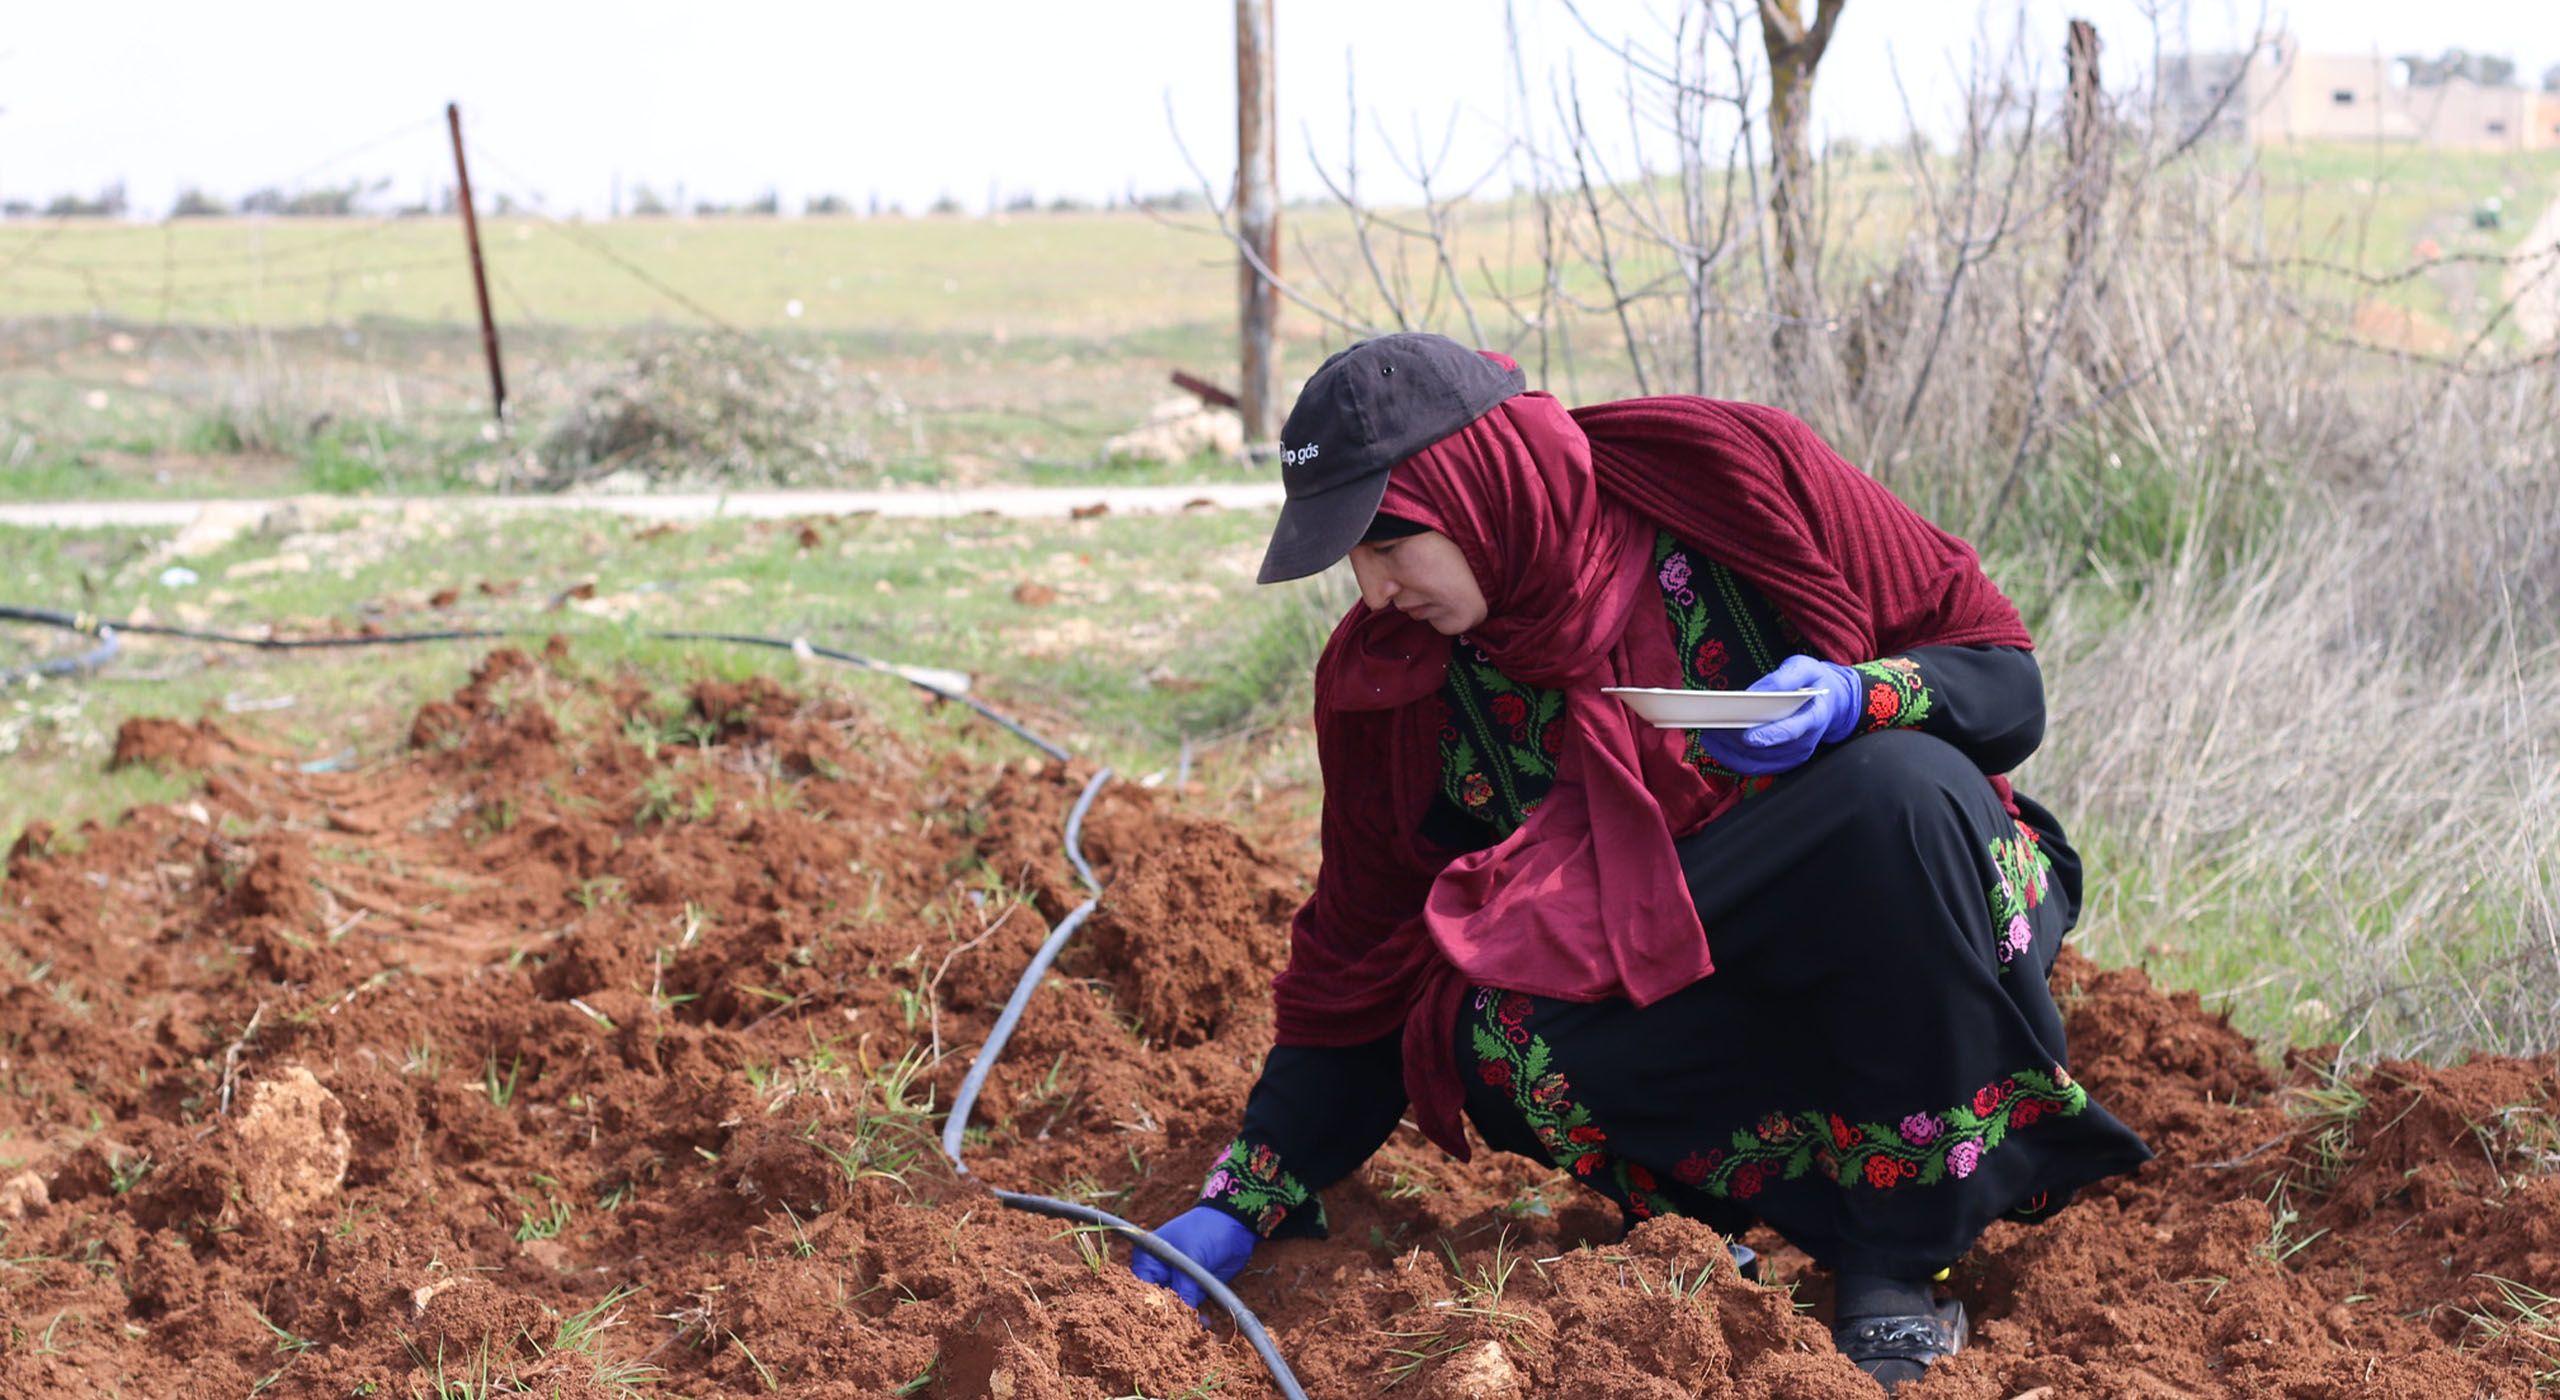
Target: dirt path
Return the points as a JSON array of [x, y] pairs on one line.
[[1022, 501], [2535, 282]]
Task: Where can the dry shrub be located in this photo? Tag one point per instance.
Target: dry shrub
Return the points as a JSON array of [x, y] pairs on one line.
[[2296, 579], [707, 410]]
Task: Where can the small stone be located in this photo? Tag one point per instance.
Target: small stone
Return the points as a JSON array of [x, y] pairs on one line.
[[292, 1141], [1480, 1372]]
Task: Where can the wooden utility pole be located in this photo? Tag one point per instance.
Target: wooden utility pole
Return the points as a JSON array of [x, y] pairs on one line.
[[479, 271], [1257, 204]]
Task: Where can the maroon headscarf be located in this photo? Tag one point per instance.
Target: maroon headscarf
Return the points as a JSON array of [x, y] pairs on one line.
[[1555, 513]]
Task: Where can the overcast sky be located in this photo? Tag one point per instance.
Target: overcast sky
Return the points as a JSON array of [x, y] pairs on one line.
[[912, 99]]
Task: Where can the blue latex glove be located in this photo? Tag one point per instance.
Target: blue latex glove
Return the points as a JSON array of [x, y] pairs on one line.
[[1781, 744], [1215, 1240]]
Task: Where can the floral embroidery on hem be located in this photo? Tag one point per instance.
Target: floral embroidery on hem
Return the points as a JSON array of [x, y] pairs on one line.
[[1922, 1149], [1247, 1180]]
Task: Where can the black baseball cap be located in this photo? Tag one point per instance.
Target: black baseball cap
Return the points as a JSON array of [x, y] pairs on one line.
[[1361, 412]]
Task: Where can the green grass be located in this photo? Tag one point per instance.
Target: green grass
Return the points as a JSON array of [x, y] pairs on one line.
[[1085, 276], [231, 357], [1158, 632]]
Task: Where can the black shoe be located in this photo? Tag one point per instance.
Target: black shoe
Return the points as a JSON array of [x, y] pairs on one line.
[[1898, 1350]]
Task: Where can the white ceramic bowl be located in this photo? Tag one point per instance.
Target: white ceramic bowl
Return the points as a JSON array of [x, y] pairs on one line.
[[1708, 709]]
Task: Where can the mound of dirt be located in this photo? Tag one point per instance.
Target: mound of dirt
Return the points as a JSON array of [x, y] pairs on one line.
[[544, 1058], [167, 744]]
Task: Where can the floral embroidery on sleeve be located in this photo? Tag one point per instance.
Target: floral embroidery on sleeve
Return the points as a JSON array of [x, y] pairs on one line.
[[2023, 867], [1896, 696], [1247, 1182]]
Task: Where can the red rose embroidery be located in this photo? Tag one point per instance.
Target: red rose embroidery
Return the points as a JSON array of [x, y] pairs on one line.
[[1844, 1136], [1496, 1072], [1583, 1164], [1515, 1008], [1986, 1100], [1642, 1179], [1692, 1169], [1709, 662], [1746, 1180], [1586, 1133], [1881, 1173], [2027, 1112], [1552, 741], [1883, 704], [1511, 710]]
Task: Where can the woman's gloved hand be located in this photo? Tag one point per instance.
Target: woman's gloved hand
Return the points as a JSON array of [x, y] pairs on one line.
[[1215, 1240], [1782, 744]]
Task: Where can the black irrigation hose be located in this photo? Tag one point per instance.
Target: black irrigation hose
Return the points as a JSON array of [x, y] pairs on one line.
[[956, 1125]]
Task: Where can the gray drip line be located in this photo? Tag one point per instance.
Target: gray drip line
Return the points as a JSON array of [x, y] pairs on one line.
[[108, 647], [957, 1125]]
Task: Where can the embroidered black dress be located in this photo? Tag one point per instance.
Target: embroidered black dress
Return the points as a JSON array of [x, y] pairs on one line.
[[1876, 1068]]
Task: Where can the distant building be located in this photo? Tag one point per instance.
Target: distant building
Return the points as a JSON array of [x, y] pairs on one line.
[[2282, 95]]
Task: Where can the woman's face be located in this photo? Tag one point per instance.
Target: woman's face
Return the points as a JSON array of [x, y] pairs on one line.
[[1423, 575]]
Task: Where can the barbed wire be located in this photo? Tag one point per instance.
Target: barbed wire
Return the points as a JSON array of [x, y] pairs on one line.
[[375, 227], [522, 187], [105, 289]]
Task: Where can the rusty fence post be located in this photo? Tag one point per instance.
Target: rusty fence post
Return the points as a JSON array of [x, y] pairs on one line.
[[479, 271]]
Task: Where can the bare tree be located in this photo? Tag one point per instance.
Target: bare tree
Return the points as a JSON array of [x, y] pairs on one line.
[[1795, 52]]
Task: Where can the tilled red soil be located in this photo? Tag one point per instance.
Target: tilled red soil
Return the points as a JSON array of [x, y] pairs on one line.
[[380, 1083]]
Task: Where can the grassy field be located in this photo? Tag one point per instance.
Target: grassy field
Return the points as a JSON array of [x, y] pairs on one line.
[[1123, 639], [244, 356], [1087, 277], [1056, 280]]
